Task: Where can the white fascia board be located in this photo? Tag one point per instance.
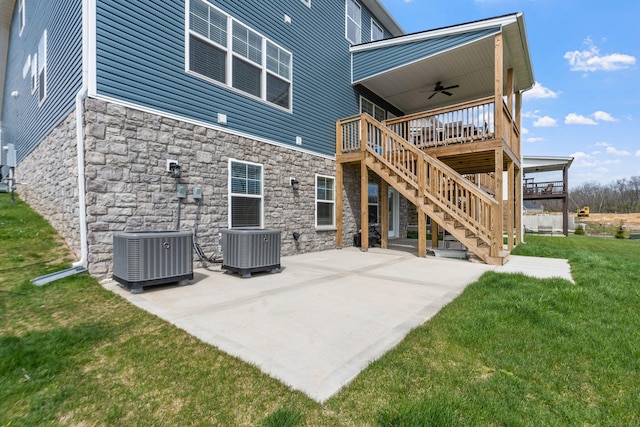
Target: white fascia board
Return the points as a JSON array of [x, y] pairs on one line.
[[446, 31]]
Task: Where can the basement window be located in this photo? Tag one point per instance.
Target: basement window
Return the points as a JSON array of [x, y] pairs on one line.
[[245, 194]]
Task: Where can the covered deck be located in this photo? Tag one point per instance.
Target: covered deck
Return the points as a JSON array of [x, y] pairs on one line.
[[459, 138]]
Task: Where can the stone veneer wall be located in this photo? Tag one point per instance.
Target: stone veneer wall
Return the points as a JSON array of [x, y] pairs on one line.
[[48, 181], [129, 189]]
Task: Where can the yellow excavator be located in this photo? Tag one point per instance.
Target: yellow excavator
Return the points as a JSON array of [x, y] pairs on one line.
[[584, 212]]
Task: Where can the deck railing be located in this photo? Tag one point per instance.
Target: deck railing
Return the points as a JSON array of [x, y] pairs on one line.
[[461, 123], [549, 188], [432, 179]]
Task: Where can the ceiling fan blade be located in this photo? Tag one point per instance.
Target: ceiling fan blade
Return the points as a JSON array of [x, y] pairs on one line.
[[432, 95], [447, 93], [450, 87]]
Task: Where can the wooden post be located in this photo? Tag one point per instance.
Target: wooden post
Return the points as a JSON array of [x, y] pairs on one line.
[[339, 201], [422, 233], [434, 234], [510, 90], [498, 219], [518, 117], [511, 204], [518, 202], [499, 85], [384, 210], [565, 200]]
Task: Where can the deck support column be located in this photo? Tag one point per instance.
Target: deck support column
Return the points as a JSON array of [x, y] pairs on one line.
[[422, 233], [511, 208], [434, 234], [518, 205], [498, 218], [565, 200]]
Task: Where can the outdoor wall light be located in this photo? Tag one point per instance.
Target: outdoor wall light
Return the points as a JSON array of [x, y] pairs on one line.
[[295, 184], [15, 94]]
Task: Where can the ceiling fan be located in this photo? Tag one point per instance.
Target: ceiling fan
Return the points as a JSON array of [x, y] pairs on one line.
[[439, 88]]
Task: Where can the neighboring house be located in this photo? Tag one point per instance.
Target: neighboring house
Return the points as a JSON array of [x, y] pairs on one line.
[[100, 97]]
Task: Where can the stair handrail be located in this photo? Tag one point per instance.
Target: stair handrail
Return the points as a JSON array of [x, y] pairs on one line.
[[450, 191]]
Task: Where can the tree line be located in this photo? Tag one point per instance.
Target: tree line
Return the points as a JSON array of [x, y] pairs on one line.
[[621, 196]]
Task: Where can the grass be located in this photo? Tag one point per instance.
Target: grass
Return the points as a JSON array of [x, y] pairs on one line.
[[511, 350]]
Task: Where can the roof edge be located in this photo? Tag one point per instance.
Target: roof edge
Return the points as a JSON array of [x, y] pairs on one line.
[[498, 21], [384, 16]]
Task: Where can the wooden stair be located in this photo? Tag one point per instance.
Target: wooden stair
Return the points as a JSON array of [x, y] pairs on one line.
[[463, 209]]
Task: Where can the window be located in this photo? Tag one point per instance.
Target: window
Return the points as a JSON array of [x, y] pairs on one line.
[[34, 74], [245, 194], [224, 50], [23, 18], [372, 109], [42, 67], [325, 201], [373, 204], [353, 24], [26, 67], [377, 33]]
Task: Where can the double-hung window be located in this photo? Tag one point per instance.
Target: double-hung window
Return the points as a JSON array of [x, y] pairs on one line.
[[245, 194], [353, 22], [377, 33], [226, 51], [325, 202]]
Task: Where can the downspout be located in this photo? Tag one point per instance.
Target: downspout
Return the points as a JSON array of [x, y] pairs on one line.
[[82, 197], [79, 266]]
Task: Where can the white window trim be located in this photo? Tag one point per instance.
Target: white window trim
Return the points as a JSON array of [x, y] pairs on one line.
[[374, 24], [347, 18], [230, 194], [22, 17], [374, 107], [229, 55], [333, 225], [307, 3], [42, 67]]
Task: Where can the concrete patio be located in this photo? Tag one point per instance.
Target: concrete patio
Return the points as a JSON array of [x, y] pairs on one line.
[[327, 315]]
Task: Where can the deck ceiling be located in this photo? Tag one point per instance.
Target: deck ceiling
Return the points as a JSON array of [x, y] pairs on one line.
[[467, 61], [531, 164]]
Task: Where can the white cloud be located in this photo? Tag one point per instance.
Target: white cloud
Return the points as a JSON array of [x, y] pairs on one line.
[[524, 131], [535, 139], [602, 144], [576, 119], [615, 151], [540, 92], [579, 155], [591, 59], [604, 116], [638, 153], [545, 121]]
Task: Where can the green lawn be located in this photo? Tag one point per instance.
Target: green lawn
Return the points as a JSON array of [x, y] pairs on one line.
[[510, 350]]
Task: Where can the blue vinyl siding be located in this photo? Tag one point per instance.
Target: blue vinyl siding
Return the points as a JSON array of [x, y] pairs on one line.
[[141, 60], [374, 61], [25, 122]]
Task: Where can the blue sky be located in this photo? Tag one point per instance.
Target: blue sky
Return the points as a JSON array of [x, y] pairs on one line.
[[585, 55]]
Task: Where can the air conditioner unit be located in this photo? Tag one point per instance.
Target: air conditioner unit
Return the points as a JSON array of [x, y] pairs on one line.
[[145, 258], [249, 250]]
